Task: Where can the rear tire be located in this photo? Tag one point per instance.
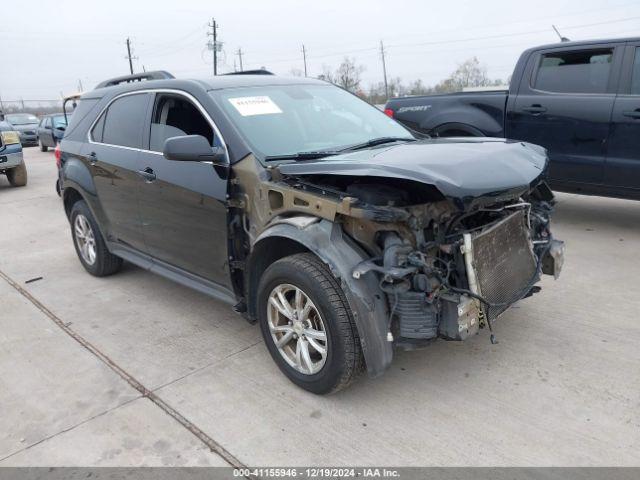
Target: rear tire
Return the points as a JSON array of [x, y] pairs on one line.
[[327, 324], [17, 176], [90, 247]]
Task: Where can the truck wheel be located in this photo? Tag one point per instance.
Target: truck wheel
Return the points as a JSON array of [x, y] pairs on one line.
[[307, 324], [43, 148], [17, 176], [90, 246]]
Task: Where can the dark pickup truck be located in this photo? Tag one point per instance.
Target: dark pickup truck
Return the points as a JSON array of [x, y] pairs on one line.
[[580, 100]]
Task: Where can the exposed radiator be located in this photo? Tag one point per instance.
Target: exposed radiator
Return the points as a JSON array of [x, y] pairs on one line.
[[503, 261]]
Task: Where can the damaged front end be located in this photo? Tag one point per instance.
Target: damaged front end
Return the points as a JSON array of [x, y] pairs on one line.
[[457, 273], [424, 247]]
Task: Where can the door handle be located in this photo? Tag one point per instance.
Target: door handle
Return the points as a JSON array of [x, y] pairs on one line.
[[632, 113], [148, 174], [93, 158], [535, 109]]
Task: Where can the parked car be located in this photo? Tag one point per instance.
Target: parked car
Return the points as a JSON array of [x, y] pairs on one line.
[[26, 125], [308, 209], [579, 100], [50, 130], [11, 161]]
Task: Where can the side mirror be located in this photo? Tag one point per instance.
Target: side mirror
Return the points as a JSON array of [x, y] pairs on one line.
[[192, 148], [62, 128]]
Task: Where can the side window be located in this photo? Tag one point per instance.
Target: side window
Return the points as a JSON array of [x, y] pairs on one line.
[[175, 116], [124, 120], [635, 75], [98, 129], [46, 123], [577, 71]]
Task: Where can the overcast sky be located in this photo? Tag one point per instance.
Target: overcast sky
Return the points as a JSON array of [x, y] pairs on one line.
[[47, 46]]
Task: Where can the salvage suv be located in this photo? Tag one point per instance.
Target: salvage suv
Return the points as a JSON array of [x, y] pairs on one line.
[[314, 214]]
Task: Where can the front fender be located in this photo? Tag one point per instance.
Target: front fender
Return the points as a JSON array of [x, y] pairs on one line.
[[368, 303]]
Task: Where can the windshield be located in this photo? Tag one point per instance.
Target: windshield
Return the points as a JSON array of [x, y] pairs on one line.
[[59, 121], [21, 118], [288, 119]]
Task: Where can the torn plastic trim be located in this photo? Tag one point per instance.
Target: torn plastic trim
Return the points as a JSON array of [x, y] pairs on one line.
[[367, 301]]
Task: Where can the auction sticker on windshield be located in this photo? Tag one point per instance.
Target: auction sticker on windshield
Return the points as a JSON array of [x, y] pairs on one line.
[[249, 106]]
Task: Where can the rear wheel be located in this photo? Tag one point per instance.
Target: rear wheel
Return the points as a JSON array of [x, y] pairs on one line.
[[17, 176], [307, 324], [90, 246]]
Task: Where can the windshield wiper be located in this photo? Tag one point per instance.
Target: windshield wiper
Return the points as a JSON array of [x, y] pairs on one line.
[[376, 141], [301, 156]]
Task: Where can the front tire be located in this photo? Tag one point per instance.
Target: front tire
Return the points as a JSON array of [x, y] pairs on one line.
[[308, 325], [43, 148], [90, 246], [17, 176]]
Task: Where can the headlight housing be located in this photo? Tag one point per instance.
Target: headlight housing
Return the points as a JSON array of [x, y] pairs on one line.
[[10, 137]]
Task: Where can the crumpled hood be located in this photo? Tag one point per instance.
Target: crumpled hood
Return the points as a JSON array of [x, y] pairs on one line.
[[462, 169]]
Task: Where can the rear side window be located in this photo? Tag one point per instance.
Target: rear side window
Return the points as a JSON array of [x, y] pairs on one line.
[[583, 71], [124, 120]]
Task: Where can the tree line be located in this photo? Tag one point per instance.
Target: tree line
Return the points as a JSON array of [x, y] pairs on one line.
[[348, 75]]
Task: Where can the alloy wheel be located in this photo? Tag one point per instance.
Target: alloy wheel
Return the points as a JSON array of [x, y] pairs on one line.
[[297, 329], [85, 239]]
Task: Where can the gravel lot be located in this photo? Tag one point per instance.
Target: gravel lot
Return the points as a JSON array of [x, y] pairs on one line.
[[561, 388]]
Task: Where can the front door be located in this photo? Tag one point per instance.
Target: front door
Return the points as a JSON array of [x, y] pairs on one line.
[[622, 168], [564, 103], [113, 158], [182, 204]]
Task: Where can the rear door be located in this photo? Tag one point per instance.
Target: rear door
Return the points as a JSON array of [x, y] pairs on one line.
[[564, 103], [183, 204], [113, 155], [622, 167]]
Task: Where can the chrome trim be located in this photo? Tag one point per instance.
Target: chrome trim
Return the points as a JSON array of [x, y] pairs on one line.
[[187, 95]]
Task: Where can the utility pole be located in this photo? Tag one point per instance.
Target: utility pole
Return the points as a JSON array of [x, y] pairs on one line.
[[213, 45], [240, 57], [129, 55], [304, 58], [80, 89], [384, 71]]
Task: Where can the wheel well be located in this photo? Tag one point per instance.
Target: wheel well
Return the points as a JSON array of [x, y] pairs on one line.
[[70, 197], [264, 253], [457, 130]]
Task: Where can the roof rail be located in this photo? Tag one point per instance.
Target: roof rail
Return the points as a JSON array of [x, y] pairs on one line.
[[137, 77], [260, 71]]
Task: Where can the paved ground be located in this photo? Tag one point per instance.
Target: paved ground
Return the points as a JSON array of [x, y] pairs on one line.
[[561, 388]]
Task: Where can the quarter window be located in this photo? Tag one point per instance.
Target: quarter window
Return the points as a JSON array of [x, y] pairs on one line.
[[175, 116], [98, 129], [635, 76], [581, 71], [124, 120]]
